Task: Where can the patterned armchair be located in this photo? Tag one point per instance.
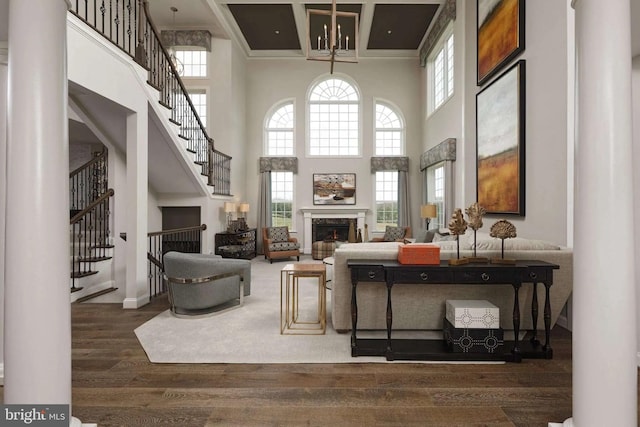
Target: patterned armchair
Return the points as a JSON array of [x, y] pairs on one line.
[[277, 243]]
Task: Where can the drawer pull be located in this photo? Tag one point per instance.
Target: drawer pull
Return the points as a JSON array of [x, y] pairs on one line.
[[424, 276], [533, 275], [372, 274], [484, 276]]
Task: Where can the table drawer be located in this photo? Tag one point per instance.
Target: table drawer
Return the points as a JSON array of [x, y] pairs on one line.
[[417, 275], [488, 276], [537, 274], [369, 274]]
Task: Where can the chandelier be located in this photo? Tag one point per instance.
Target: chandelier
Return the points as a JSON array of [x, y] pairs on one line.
[[328, 35]]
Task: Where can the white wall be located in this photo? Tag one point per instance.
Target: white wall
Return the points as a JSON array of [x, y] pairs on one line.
[[4, 79], [546, 118], [635, 85], [271, 81]]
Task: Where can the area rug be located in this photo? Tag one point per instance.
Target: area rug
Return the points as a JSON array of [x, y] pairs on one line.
[[251, 333]]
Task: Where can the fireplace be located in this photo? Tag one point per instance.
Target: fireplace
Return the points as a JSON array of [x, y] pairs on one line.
[[330, 229], [355, 214]]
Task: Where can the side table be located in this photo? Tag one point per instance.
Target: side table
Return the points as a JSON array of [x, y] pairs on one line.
[[290, 277]]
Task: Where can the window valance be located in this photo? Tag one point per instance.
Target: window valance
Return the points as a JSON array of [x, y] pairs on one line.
[[447, 15], [288, 164], [389, 164], [446, 150], [200, 38]]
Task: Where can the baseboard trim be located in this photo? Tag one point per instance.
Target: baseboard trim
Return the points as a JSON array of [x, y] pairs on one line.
[[134, 303], [93, 289], [564, 322]]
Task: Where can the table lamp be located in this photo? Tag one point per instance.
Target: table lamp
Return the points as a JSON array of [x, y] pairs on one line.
[[243, 209], [427, 212], [229, 208]]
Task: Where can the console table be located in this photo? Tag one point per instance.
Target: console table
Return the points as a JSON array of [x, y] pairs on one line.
[[237, 245], [391, 272]]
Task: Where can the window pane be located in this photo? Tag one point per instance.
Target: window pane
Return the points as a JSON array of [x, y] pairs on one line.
[[279, 132], [386, 191], [282, 199], [333, 119], [389, 132], [192, 62]]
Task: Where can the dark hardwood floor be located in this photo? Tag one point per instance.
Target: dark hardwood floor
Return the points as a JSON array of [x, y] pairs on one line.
[[114, 384]]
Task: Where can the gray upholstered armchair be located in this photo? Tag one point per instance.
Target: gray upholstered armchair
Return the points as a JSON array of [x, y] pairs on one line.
[[204, 284]]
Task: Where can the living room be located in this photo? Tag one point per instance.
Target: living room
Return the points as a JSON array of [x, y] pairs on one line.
[[238, 129]]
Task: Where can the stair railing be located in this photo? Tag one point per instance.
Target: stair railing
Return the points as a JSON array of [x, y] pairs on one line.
[[88, 182], [187, 239], [90, 237], [127, 24]]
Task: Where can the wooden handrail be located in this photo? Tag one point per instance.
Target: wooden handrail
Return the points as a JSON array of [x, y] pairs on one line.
[[77, 217], [155, 31], [89, 163], [177, 230]]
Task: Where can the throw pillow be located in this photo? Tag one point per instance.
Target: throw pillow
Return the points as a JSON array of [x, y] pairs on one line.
[[421, 236], [279, 234], [391, 234]]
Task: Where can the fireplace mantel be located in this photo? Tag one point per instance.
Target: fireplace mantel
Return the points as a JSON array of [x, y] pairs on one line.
[[359, 213]]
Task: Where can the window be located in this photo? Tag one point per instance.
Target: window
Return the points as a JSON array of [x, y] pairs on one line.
[[279, 132], [389, 131], [282, 199], [199, 100], [192, 62], [440, 71], [436, 192], [386, 188], [334, 119]]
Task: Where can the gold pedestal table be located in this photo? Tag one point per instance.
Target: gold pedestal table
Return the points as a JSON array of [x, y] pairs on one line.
[[290, 276]]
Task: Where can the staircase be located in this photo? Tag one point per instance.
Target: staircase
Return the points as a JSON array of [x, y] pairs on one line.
[[90, 235]]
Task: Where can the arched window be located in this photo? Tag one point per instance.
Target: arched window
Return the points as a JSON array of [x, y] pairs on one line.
[[279, 142], [389, 131], [279, 132], [334, 119]]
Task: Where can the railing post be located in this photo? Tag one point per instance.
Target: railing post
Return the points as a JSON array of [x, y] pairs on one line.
[[141, 53]]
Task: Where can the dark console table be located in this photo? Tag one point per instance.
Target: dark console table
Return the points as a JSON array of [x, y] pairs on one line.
[[391, 272], [236, 245]]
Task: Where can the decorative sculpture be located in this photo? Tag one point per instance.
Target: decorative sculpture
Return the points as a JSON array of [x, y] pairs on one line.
[[352, 232], [503, 229], [457, 226], [475, 212]]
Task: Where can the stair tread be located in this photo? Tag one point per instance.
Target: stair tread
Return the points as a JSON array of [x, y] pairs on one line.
[[103, 247], [94, 259], [79, 274]]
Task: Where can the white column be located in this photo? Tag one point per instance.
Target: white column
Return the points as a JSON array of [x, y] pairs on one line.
[[3, 185], [37, 310], [137, 292], [604, 303]]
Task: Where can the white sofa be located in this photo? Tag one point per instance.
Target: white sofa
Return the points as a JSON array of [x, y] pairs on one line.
[[423, 306]]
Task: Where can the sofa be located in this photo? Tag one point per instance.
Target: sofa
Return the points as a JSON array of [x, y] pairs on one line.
[[423, 307]]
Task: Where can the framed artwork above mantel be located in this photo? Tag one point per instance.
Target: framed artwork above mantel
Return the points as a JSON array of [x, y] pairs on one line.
[[334, 188]]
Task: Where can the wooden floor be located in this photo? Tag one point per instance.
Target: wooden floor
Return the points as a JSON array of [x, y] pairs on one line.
[[115, 385]]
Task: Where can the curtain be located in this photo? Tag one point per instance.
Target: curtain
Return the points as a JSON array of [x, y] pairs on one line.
[[447, 14], [264, 207], [268, 164], [404, 207]]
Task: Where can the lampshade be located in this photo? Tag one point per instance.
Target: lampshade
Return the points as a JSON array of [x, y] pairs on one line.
[[244, 207], [428, 211], [229, 207]]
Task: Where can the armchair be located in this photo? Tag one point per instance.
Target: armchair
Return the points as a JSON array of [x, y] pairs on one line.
[[277, 243], [394, 234], [201, 284]]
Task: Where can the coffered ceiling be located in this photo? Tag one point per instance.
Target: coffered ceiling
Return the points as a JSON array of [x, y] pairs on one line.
[[391, 28]]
